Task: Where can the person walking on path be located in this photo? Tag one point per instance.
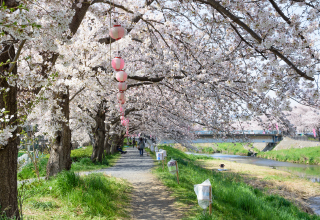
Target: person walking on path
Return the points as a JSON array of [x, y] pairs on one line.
[[141, 146], [133, 143]]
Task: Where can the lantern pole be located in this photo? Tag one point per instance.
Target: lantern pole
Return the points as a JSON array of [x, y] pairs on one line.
[[162, 163], [210, 198], [177, 172]]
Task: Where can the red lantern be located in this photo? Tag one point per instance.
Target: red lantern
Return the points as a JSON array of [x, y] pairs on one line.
[[122, 101], [117, 63], [122, 86], [117, 32], [121, 76], [121, 96]]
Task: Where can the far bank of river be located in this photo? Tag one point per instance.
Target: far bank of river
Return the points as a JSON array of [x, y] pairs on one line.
[[311, 172], [306, 155]]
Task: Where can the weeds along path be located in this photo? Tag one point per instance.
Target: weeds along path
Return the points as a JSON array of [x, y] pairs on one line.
[[151, 199]]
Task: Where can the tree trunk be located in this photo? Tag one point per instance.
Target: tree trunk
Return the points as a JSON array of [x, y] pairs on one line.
[[99, 133], [61, 149], [107, 147], [9, 152], [114, 142], [91, 138], [121, 139]]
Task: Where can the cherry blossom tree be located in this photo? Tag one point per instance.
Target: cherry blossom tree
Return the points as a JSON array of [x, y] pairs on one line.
[[203, 61], [304, 118], [19, 25]]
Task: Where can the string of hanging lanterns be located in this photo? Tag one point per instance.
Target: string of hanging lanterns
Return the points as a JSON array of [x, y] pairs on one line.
[[117, 32]]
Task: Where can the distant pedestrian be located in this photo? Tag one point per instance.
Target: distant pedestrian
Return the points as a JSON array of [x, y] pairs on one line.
[[141, 146], [134, 143], [120, 150]]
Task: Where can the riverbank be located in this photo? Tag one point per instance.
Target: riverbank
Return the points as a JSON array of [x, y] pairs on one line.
[[307, 155], [243, 149], [270, 181], [288, 143], [233, 197]]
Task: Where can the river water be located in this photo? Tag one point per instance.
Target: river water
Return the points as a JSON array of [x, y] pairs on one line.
[[311, 172]]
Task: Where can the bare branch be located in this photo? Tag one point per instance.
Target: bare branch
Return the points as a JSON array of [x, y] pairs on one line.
[[17, 56], [77, 93], [216, 5]]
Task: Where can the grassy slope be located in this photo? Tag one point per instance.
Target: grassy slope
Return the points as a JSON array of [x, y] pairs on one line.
[[233, 199], [69, 196], [309, 155], [81, 161], [271, 181]]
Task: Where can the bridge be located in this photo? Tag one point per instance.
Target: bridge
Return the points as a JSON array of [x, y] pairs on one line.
[[247, 136]]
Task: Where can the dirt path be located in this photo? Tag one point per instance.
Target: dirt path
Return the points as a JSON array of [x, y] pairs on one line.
[[151, 199]]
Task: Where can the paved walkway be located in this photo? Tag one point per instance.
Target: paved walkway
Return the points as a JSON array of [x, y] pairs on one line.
[[151, 200]]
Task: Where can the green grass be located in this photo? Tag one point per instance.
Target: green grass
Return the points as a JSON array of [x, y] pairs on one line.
[[80, 162], [28, 172], [227, 148], [69, 196], [307, 155], [233, 199], [78, 154], [21, 153], [44, 206]]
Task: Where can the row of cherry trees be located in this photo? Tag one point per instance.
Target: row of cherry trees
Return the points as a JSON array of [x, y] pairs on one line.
[[202, 62]]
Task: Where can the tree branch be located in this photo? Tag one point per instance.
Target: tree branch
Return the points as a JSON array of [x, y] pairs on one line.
[[135, 19], [145, 78], [139, 84], [77, 93], [216, 5], [276, 7], [17, 56]]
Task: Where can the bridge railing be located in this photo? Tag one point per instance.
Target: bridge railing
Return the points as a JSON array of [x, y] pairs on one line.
[[240, 132]]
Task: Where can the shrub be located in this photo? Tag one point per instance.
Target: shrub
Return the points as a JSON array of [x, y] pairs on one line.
[[28, 172], [85, 161], [78, 154]]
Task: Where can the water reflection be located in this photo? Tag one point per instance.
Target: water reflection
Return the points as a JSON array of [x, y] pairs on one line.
[[311, 172]]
